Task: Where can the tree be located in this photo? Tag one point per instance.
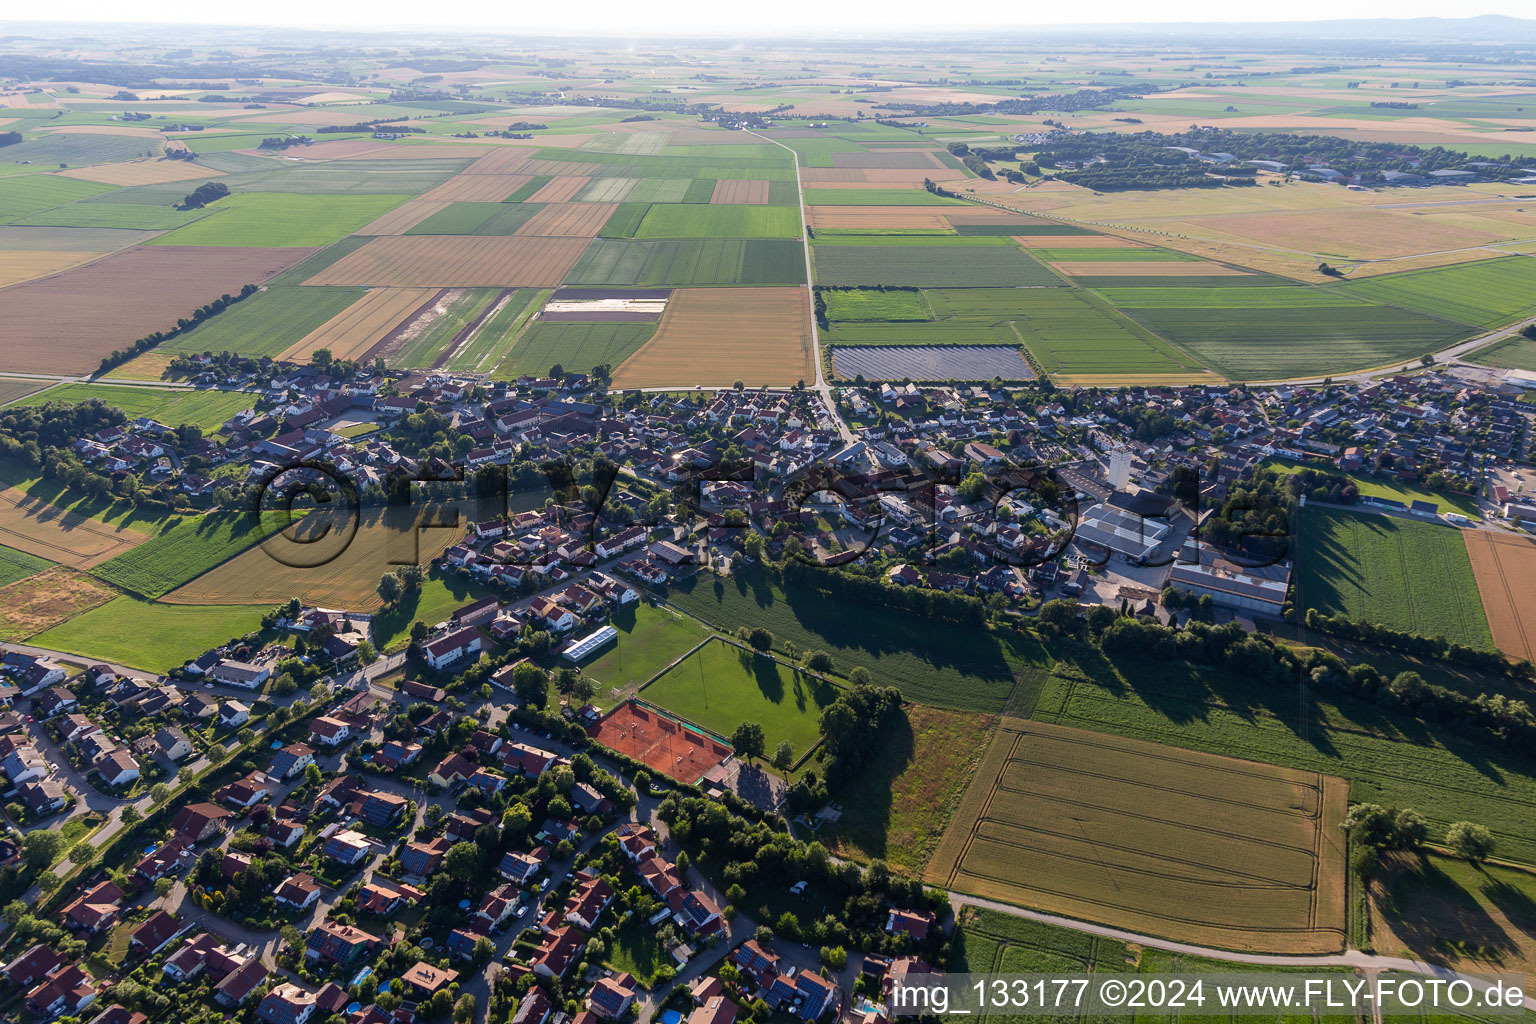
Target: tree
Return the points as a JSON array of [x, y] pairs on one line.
[[860, 676], [40, 848], [485, 949], [462, 861], [748, 740], [81, 852], [312, 775], [760, 638], [516, 820], [1410, 830], [163, 887], [1370, 825], [530, 684], [159, 792], [784, 755], [818, 661], [131, 814], [1467, 839], [642, 781]]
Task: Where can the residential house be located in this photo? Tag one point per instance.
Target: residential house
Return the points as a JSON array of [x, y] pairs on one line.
[[611, 998], [298, 892], [291, 760], [332, 943], [286, 1004]]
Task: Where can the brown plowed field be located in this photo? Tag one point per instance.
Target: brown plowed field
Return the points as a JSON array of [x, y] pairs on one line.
[[362, 325], [714, 336], [67, 322], [32, 525], [1170, 842], [930, 217], [341, 149], [506, 161], [403, 217], [477, 188], [1505, 567], [909, 176], [559, 190], [1075, 242], [142, 172], [577, 220], [833, 175], [455, 261], [423, 151], [738, 192], [1150, 268], [559, 168]]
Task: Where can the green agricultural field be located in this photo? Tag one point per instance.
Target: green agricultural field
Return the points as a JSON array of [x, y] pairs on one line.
[[624, 221], [266, 323], [989, 942], [1251, 344], [877, 197], [425, 349], [1074, 332], [263, 219], [477, 219], [1485, 294], [936, 332], [721, 685], [659, 190], [1391, 760], [12, 388], [931, 266], [357, 177], [528, 188], [56, 150], [606, 190], [18, 565], [869, 304], [1281, 297], [28, 193], [114, 215], [145, 635], [963, 668], [576, 346], [1413, 576], [1030, 227], [650, 639], [312, 264], [677, 264], [185, 551], [701, 220], [205, 410], [484, 347], [700, 190], [1517, 353]]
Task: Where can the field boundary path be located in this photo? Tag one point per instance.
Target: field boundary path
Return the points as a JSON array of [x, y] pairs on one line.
[[822, 387]]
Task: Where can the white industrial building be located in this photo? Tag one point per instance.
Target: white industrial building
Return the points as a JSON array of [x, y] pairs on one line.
[[1203, 570]]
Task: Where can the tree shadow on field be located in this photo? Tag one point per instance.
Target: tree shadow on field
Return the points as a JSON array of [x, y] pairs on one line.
[[1435, 917], [867, 800]]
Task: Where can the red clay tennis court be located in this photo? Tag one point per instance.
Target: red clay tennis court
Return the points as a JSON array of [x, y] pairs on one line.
[[656, 739]]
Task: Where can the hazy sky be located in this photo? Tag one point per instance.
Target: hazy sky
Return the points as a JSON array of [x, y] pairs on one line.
[[608, 17]]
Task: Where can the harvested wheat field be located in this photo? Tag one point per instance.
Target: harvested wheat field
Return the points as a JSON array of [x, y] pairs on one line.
[[1351, 233], [20, 265], [47, 599], [343, 149], [477, 188], [67, 322], [1076, 242], [715, 336], [888, 159], [558, 168], [559, 190], [577, 220], [1169, 842], [362, 325], [304, 561], [1505, 568], [875, 217], [738, 191], [142, 172], [32, 525], [403, 217], [506, 161], [914, 176], [1149, 268], [455, 261]]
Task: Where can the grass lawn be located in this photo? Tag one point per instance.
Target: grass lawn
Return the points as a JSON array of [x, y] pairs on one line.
[[721, 685], [150, 636], [206, 410], [869, 304], [650, 638], [636, 949], [18, 565], [963, 668], [900, 804], [276, 220], [1396, 572], [436, 601], [1517, 353], [1444, 910], [1398, 490]]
